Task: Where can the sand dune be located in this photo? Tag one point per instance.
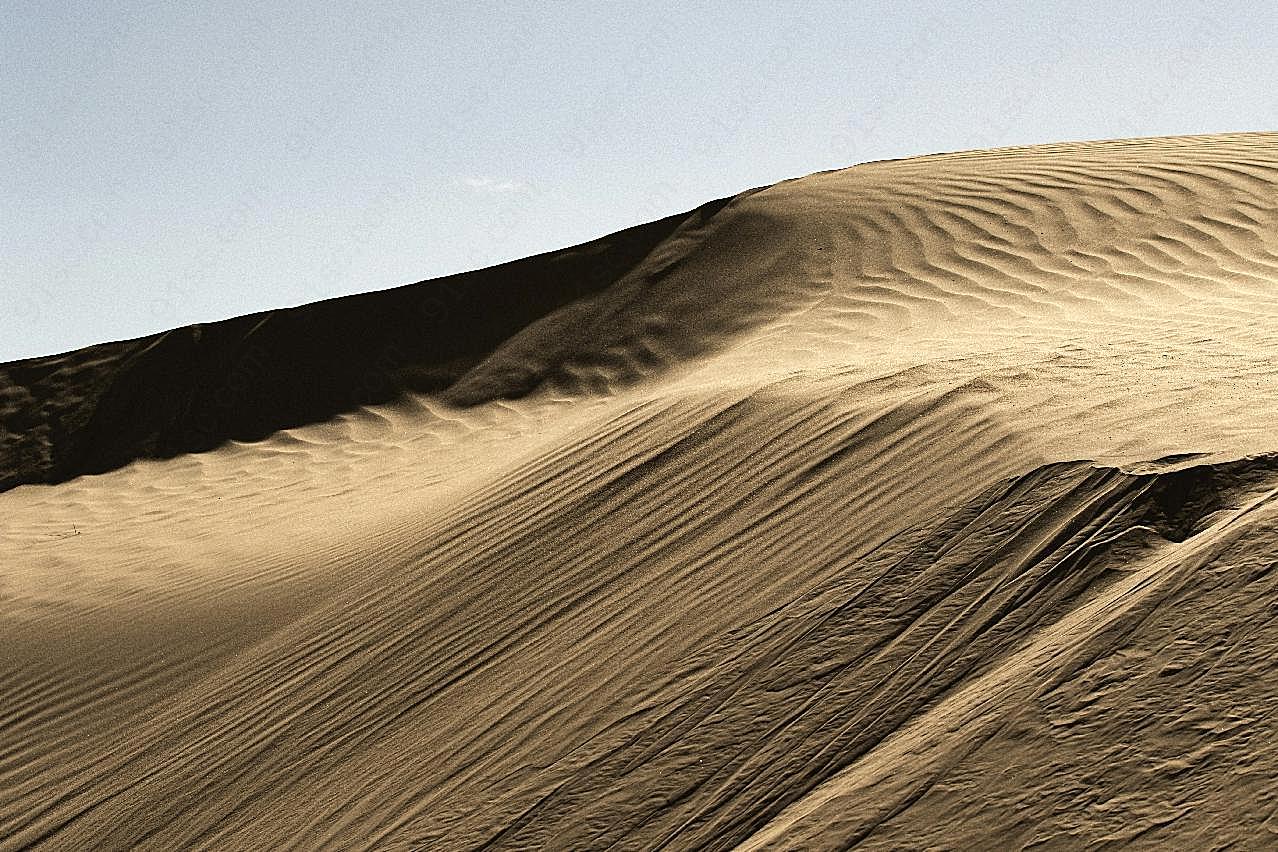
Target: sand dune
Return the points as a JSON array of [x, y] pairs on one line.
[[928, 503]]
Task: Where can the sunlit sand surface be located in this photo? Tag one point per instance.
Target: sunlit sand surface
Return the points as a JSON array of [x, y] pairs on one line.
[[922, 504]]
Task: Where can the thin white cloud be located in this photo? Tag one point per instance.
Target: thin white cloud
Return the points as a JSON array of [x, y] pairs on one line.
[[494, 185]]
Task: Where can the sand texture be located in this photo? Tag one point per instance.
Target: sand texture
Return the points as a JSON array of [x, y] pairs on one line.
[[929, 503]]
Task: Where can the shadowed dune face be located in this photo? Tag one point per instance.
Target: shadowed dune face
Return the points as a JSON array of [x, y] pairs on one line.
[[926, 503], [190, 389]]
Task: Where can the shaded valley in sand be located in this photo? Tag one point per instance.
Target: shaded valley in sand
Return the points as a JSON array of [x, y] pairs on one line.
[[928, 503]]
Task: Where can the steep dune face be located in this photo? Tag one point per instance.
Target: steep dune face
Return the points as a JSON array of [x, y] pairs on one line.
[[926, 503], [191, 389]]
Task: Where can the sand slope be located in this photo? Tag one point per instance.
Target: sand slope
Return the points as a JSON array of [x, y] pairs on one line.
[[926, 503]]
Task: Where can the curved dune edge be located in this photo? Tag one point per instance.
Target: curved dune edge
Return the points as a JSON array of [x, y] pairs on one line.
[[908, 505]]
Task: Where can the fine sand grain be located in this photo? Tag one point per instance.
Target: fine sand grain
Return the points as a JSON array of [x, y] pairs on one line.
[[928, 503]]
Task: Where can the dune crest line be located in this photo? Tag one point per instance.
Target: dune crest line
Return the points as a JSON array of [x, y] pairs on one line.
[[905, 505]]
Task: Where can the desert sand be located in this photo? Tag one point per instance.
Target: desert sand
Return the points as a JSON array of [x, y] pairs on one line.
[[928, 503]]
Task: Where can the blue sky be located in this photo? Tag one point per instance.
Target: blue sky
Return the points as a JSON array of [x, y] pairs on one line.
[[164, 163]]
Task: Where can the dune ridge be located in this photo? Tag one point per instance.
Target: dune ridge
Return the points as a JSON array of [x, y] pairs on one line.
[[924, 503]]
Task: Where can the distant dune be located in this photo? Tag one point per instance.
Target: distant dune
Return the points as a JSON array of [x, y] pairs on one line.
[[929, 503]]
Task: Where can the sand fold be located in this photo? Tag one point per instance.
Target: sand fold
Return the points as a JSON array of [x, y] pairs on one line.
[[922, 504]]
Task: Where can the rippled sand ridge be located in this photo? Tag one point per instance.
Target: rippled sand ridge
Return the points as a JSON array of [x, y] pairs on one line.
[[928, 503]]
